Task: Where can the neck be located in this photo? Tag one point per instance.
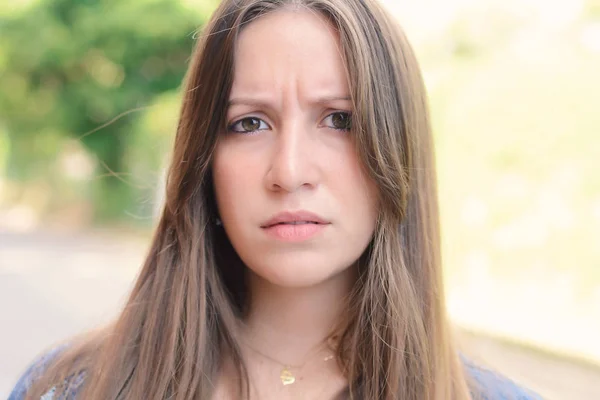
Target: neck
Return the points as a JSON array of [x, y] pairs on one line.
[[288, 323]]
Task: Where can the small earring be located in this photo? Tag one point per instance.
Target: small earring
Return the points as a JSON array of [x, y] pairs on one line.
[[218, 222]]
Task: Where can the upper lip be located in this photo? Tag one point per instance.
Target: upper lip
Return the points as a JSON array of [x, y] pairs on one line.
[[295, 216]]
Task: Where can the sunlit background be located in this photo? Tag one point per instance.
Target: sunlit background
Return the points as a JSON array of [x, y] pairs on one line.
[[89, 96]]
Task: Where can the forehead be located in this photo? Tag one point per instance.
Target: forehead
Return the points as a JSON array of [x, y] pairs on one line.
[[289, 45]]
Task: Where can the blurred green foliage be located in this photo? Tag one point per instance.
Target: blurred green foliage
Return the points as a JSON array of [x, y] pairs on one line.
[[70, 66]]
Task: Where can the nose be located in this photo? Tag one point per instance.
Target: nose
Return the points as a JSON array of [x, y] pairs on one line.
[[293, 160]]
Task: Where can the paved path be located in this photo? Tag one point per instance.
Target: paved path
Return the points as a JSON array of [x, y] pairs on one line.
[[53, 286]]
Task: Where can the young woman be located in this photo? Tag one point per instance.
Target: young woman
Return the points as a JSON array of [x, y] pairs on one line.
[[297, 255]]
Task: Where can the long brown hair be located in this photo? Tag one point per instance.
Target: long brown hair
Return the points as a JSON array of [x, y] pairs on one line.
[[182, 314]]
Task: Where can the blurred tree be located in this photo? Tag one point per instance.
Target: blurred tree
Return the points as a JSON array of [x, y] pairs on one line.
[[70, 66]]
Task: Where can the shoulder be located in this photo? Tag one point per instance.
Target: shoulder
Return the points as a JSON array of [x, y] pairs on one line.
[[36, 370], [494, 386]]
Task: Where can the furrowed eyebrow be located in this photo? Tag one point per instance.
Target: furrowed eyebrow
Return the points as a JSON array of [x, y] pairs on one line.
[[328, 99], [247, 102], [265, 104]]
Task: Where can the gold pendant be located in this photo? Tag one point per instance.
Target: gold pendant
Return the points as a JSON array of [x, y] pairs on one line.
[[286, 377]]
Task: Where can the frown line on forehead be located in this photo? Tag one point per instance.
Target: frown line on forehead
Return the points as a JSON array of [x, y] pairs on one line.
[[263, 101]]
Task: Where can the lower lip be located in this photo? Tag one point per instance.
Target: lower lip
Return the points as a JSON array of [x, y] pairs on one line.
[[294, 233]]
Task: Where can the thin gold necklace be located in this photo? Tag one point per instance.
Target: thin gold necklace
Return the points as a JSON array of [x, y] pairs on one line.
[[286, 375]]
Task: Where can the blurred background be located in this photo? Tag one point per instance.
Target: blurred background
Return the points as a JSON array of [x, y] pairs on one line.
[[89, 97]]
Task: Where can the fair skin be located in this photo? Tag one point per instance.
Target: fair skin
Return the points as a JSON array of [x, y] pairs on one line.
[[288, 147]]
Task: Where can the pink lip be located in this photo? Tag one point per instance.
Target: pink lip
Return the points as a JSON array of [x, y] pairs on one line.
[[279, 228], [296, 216]]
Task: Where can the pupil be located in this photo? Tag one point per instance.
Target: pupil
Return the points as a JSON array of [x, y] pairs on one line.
[[341, 121], [250, 124]]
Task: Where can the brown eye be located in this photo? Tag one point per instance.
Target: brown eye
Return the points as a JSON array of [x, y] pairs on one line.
[[250, 124], [339, 120], [247, 125]]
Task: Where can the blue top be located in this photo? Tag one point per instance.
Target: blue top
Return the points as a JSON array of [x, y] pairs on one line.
[[494, 385]]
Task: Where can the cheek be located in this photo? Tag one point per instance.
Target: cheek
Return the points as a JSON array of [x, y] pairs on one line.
[[224, 181], [232, 181], [360, 191], [365, 207]]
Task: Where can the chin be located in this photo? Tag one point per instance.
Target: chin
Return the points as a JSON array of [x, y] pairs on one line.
[[298, 275]]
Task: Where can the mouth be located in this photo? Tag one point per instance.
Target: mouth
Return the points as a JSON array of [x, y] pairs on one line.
[[294, 223], [295, 231], [295, 218]]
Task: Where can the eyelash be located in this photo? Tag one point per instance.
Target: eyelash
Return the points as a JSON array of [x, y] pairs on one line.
[[232, 127]]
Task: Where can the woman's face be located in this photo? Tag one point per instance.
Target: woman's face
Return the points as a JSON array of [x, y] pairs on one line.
[[288, 154]]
